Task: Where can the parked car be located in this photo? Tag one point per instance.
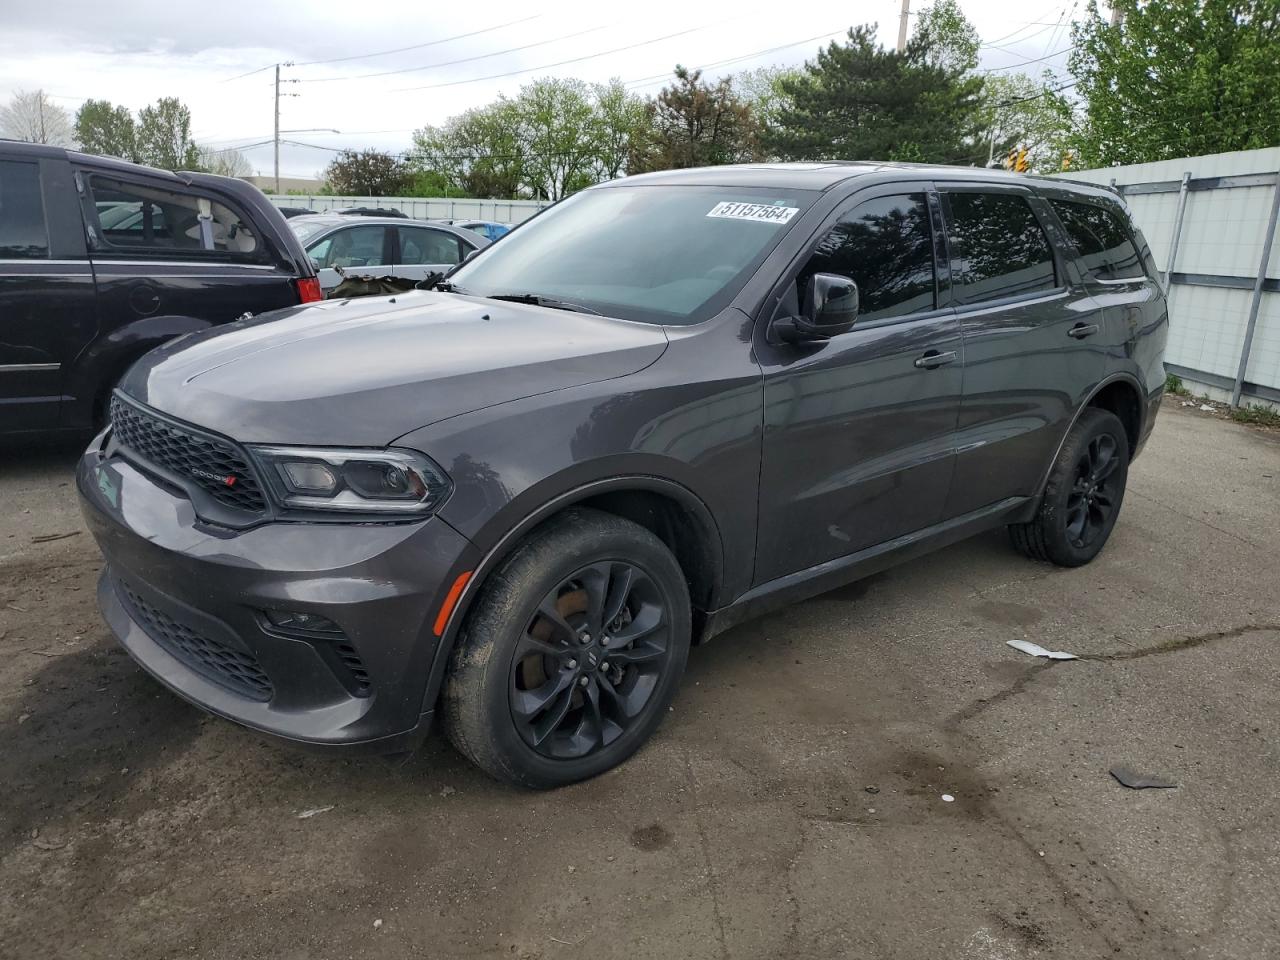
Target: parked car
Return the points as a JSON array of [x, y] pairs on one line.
[[291, 212], [101, 260], [370, 212], [491, 230], [670, 403], [413, 249]]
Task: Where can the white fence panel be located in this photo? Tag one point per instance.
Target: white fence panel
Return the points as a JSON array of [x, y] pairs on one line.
[[1224, 231], [422, 208]]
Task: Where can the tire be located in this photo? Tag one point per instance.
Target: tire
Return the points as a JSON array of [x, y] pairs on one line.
[[521, 660], [1097, 446]]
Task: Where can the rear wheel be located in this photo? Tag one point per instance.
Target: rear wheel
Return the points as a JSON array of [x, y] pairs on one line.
[[572, 654], [1083, 496]]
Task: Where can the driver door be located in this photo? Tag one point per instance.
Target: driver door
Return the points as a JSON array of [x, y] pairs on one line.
[[859, 442]]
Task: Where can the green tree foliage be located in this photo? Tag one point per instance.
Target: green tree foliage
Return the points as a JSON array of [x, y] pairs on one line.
[[478, 153], [558, 132], [367, 173], [858, 101], [164, 136], [949, 39], [622, 124], [697, 124], [1018, 111], [106, 129], [1177, 78]]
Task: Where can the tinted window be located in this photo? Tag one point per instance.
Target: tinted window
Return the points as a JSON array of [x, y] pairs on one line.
[[998, 248], [133, 217], [660, 253], [422, 245], [886, 246], [1100, 236], [350, 247], [22, 229]]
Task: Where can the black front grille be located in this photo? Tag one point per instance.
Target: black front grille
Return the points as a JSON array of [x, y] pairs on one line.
[[236, 670], [216, 466]]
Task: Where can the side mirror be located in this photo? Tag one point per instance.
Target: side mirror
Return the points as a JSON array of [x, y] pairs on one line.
[[829, 308], [316, 264]]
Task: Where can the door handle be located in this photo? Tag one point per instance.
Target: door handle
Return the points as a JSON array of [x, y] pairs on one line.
[[933, 359], [1082, 330]]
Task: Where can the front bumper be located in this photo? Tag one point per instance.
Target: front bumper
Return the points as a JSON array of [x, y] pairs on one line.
[[188, 601]]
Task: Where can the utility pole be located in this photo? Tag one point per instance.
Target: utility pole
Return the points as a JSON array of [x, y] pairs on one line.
[[277, 133], [902, 26]]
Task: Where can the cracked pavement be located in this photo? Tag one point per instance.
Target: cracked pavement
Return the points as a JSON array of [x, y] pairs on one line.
[[790, 807]]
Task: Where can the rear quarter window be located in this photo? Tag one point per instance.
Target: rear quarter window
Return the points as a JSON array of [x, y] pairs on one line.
[[23, 234], [137, 218], [1103, 239]]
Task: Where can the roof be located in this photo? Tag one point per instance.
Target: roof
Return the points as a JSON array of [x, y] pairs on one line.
[[824, 174]]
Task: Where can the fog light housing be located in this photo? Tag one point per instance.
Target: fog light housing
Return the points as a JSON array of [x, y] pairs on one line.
[[299, 621]]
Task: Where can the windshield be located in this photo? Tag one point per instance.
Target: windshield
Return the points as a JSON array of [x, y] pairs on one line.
[[661, 253], [305, 229]]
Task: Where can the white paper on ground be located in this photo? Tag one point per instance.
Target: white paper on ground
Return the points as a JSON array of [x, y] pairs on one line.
[[1026, 646]]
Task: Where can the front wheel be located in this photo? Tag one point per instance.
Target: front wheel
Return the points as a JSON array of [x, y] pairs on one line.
[[572, 654], [1083, 496]]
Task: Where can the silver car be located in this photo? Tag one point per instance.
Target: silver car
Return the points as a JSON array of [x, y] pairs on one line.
[[412, 249]]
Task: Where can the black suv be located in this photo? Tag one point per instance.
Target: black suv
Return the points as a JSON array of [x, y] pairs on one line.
[[101, 260], [666, 404]]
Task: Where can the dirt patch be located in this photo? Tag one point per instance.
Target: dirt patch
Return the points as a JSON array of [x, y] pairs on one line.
[[653, 837]]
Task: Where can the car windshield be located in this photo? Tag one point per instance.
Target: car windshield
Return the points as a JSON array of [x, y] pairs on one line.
[[305, 229], [658, 253]]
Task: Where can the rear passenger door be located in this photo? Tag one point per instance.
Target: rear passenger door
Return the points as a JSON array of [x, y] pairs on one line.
[[1032, 340], [423, 251], [46, 290]]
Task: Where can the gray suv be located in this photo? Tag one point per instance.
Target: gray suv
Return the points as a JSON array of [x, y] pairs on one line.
[[667, 404]]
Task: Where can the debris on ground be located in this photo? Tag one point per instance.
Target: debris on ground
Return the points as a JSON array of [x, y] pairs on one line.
[[871, 789], [1208, 408], [447, 791], [1141, 781], [50, 537], [308, 814], [377, 923], [45, 843], [1026, 646]]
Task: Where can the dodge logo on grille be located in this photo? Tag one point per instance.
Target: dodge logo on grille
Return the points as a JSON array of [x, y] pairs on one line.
[[227, 480]]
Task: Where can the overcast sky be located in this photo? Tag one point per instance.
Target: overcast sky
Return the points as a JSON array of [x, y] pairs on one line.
[[133, 52]]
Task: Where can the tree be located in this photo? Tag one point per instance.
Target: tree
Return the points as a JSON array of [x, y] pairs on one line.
[[478, 153], [857, 101], [225, 162], [696, 124], [1176, 78], [556, 122], [622, 124], [106, 129], [948, 38], [761, 90], [33, 117], [367, 173], [1018, 111], [164, 136]]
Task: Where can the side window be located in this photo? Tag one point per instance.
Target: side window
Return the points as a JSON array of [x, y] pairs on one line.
[[886, 246], [1102, 239], [423, 245], [22, 229], [136, 218], [998, 248], [351, 247]]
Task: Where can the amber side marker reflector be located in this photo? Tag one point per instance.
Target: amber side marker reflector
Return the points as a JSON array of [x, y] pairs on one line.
[[450, 601]]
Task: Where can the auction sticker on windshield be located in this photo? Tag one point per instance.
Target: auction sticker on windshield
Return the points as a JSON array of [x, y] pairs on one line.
[[760, 212]]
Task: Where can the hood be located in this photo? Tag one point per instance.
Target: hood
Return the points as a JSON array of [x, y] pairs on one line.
[[364, 372]]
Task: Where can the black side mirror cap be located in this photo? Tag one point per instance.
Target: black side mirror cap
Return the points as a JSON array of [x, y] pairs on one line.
[[830, 308]]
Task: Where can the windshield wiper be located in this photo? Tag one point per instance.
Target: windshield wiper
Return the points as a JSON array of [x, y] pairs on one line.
[[538, 300]]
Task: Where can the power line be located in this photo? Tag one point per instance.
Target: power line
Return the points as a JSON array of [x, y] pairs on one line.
[[451, 63], [417, 46], [250, 73], [1011, 66], [644, 81], [559, 63]]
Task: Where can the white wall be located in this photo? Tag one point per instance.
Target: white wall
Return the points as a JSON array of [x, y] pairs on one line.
[[1223, 234], [423, 208]]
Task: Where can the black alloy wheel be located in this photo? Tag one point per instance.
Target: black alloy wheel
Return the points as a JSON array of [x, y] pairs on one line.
[[1091, 500], [589, 660]]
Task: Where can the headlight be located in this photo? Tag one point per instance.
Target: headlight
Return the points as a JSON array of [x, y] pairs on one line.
[[353, 481]]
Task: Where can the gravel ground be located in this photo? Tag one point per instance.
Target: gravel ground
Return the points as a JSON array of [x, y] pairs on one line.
[[790, 807]]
